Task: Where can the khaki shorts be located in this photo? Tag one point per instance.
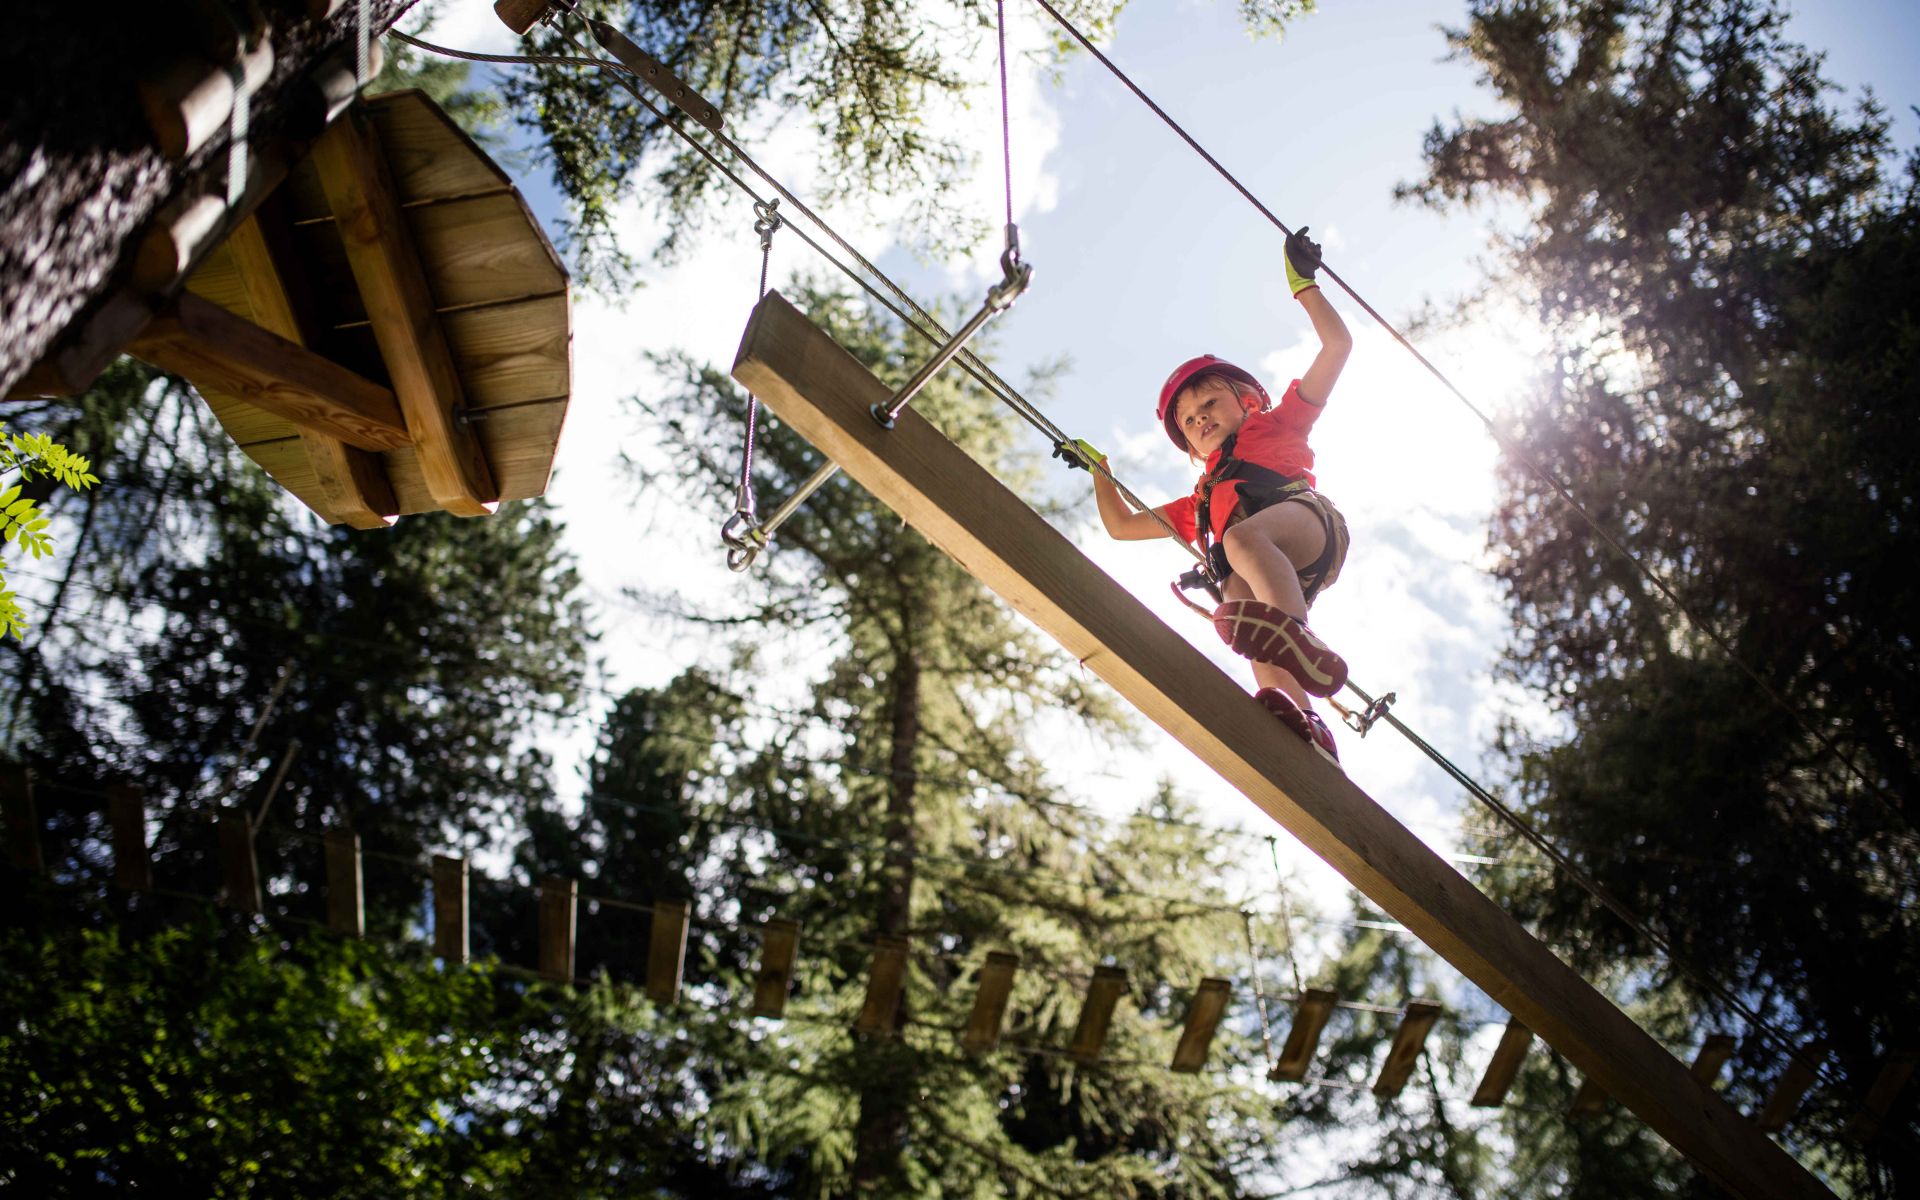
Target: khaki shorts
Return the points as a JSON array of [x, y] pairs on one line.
[[1319, 574]]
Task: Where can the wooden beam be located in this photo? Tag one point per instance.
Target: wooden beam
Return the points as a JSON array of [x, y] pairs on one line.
[[1713, 1055], [1415, 1023], [353, 480], [779, 946], [218, 351], [559, 911], [23, 820], [346, 889], [1504, 1067], [994, 988], [886, 982], [667, 950], [450, 908], [1203, 1019], [127, 816], [400, 307], [237, 862], [824, 394], [1801, 1072], [1096, 1015], [1589, 1100], [1310, 1015], [1887, 1086]]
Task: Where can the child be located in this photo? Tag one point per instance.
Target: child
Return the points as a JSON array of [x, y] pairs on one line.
[[1274, 540]]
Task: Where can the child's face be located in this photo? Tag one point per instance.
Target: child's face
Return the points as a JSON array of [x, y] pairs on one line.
[[1207, 413]]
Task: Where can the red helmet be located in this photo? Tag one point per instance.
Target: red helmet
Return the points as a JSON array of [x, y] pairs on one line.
[[1191, 370]]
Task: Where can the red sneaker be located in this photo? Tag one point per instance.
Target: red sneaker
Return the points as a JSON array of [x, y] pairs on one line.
[[1263, 633], [1308, 725]]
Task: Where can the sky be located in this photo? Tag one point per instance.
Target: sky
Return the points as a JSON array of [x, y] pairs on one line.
[[1143, 257]]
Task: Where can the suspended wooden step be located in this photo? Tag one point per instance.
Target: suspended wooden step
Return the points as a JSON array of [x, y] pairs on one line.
[[1310, 1015], [390, 331], [1504, 1066], [827, 396]]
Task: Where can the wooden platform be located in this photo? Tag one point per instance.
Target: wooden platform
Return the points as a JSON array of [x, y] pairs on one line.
[[825, 394], [438, 288]]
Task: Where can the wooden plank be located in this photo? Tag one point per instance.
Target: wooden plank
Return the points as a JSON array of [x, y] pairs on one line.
[[1802, 1071], [519, 441], [346, 886], [127, 817], [23, 820], [1408, 1041], [994, 987], [1589, 1100], [667, 950], [1713, 1055], [779, 946], [559, 912], [431, 157], [450, 908], [1310, 1015], [217, 280], [483, 250], [1096, 1015], [380, 249], [353, 480], [824, 394], [886, 983], [239, 868], [513, 353], [1203, 1020], [1887, 1086], [216, 350], [1504, 1067]]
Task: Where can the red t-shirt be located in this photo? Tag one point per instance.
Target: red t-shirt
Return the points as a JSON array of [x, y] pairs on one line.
[[1275, 439]]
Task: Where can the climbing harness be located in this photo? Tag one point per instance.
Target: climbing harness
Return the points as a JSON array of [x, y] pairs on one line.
[[744, 540]]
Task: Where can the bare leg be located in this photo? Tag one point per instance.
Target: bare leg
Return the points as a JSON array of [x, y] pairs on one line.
[[1263, 548]]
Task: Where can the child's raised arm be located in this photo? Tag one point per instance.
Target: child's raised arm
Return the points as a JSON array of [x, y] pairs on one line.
[[1121, 521], [1303, 259]]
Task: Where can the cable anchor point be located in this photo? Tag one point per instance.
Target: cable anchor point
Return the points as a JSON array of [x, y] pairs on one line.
[[743, 538], [1360, 722], [766, 221]]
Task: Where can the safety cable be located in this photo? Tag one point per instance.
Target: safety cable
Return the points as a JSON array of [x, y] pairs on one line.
[[1508, 444]]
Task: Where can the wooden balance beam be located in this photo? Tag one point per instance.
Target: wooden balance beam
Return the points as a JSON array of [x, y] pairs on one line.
[[825, 393]]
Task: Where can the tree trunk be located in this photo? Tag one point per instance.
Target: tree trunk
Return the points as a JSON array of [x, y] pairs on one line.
[[881, 1132]]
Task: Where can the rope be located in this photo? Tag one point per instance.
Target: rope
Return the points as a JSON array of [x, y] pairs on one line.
[[1507, 444], [766, 223], [1259, 997]]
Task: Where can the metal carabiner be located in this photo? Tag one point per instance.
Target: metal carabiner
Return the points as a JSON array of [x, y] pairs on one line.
[[744, 541]]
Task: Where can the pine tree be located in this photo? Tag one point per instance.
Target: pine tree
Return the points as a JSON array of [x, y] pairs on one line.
[[1724, 257]]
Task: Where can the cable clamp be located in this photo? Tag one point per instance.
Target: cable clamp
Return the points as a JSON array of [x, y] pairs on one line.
[[1365, 719]]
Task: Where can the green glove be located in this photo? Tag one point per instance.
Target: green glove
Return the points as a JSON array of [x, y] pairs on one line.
[[1303, 259], [1079, 453]]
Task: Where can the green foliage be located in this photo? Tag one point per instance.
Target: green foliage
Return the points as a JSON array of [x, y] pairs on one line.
[[31, 456], [1726, 259]]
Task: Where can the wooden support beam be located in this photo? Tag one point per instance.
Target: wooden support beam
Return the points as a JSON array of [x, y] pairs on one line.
[[824, 394], [1408, 1041], [1713, 1055], [237, 862], [450, 908], [220, 352], [667, 950], [1203, 1019], [127, 816], [1802, 1070], [1310, 1015], [1589, 1100], [400, 307], [559, 911], [779, 946], [1096, 1015], [23, 820], [353, 480], [994, 988], [346, 889], [1887, 1086], [886, 982], [1504, 1067]]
